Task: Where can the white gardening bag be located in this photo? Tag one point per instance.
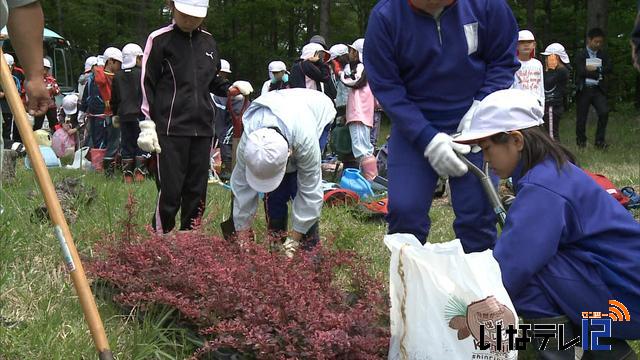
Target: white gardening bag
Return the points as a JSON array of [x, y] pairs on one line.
[[439, 298]]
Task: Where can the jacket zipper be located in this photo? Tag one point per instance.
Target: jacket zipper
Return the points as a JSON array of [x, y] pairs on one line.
[[195, 76]]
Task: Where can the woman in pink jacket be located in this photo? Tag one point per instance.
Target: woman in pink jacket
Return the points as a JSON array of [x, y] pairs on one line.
[[360, 110]]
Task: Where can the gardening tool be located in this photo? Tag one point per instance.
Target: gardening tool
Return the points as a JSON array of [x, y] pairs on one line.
[[227, 226], [489, 189], [71, 258]]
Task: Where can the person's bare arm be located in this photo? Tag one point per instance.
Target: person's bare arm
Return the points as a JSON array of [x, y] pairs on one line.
[[26, 25]]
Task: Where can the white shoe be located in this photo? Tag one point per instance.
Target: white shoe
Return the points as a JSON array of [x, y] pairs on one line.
[[290, 247]]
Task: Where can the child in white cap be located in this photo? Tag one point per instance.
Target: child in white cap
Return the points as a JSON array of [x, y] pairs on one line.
[[556, 76], [361, 106], [278, 77], [567, 247], [54, 90], [278, 155], [180, 70], [126, 99], [10, 134], [530, 75]]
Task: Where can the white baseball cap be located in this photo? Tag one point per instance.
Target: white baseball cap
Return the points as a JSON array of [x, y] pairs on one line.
[[525, 35], [195, 8], [112, 53], [358, 45], [70, 104], [9, 59], [46, 63], [277, 66], [338, 50], [503, 111], [266, 154], [310, 49], [225, 66], [100, 60], [130, 53], [557, 49], [90, 62]]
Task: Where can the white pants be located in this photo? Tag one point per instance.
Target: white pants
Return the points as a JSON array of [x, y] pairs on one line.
[[360, 139]]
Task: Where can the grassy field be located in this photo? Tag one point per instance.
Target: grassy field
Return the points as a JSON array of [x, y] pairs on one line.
[[40, 317]]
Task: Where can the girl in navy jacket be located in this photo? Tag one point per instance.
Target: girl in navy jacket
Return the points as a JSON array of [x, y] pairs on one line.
[[568, 247]]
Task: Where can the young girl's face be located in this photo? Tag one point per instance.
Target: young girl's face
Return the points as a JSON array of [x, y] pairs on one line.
[[552, 61], [503, 157], [525, 48], [186, 22], [353, 55]]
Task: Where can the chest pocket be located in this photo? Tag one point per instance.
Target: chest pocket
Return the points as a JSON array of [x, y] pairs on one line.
[[471, 34]]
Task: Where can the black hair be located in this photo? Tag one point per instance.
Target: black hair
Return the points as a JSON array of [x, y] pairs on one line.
[[537, 147], [595, 32]]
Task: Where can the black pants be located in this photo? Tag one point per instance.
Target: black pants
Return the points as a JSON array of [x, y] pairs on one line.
[[10, 133], [552, 115], [183, 171], [130, 130], [52, 117], [586, 97]]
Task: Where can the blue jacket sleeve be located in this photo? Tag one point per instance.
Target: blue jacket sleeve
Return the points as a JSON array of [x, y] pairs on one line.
[[500, 43], [387, 85], [536, 223]]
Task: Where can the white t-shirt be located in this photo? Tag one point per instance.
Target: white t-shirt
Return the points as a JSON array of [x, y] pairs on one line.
[[530, 77]]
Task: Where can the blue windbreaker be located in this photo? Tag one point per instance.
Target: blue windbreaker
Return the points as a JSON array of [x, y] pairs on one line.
[[569, 247], [426, 72]]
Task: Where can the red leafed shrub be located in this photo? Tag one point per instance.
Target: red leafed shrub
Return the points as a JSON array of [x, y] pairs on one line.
[[321, 304]]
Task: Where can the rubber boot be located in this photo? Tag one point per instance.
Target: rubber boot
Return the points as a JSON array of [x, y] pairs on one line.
[[369, 167], [140, 172], [97, 158], [278, 228], [109, 167], [225, 171], [128, 166], [312, 237]]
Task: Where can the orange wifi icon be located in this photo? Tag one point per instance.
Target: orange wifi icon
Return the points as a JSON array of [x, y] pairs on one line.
[[618, 312]]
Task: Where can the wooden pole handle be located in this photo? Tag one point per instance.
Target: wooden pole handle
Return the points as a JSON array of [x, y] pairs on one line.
[[61, 228]]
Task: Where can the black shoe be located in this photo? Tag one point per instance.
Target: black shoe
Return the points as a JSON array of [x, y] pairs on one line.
[[602, 146]]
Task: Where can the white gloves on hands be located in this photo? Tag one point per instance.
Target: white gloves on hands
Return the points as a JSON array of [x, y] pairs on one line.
[[290, 247], [244, 87], [148, 139], [441, 153]]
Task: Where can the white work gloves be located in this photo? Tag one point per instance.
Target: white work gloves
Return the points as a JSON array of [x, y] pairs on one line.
[[441, 153], [290, 247], [244, 87], [148, 139]]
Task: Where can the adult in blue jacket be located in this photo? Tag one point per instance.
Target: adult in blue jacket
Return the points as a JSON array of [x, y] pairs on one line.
[[568, 247], [428, 63]]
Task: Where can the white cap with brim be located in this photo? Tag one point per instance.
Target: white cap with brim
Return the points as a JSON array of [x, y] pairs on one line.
[[266, 154], [338, 50], [70, 104], [557, 49], [195, 8], [130, 53], [46, 63], [277, 66], [503, 111], [225, 66], [90, 62], [525, 35], [9, 59]]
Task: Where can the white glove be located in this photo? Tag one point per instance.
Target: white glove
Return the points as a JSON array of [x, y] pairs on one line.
[[148, 139], [465, 122], [290, 247], [244, 87], [441, 153]]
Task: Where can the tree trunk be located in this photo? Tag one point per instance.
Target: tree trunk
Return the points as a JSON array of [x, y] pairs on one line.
[[60, 17], [325, 15], [597, 13], [531, 15], [546, 35], [292, 33]]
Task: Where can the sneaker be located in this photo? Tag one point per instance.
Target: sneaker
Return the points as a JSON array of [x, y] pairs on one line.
[[128, 177], [138, 176], [602, 146]]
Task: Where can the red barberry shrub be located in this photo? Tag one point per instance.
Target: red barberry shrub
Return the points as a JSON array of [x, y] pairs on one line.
[[321, 304]]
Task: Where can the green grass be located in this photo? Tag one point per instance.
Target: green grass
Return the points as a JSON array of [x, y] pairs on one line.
[[41, 317]]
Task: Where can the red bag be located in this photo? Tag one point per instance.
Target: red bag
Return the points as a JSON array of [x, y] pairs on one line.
[[609, 187]]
